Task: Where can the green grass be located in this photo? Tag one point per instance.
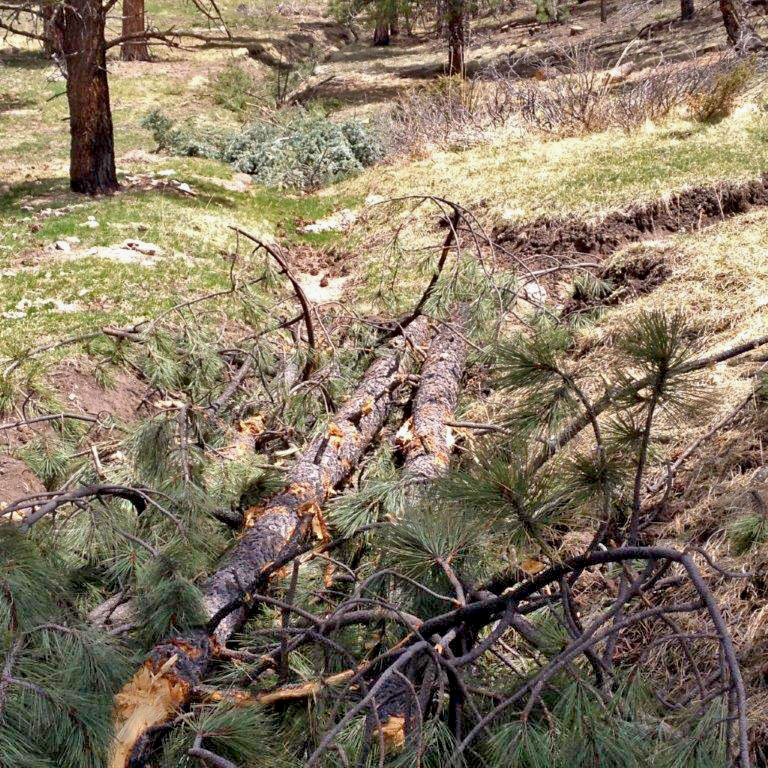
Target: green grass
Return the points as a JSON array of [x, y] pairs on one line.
[[523, 178], [193, 233]]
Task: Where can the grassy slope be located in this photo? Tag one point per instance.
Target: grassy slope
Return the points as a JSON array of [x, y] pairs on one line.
[[525, 177], [511, 177]]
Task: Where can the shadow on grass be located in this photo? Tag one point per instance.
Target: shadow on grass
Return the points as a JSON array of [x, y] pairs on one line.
[[26, 59]]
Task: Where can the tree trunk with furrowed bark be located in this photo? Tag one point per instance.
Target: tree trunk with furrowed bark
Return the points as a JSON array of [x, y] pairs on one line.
[[79, 31], [164, 684], [427, 442], [133, 25], [428, 451]]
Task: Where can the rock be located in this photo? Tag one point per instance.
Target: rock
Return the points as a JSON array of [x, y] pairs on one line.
[[91, 223], [186, 190], [147, 249], [166, 172], [73, 240], [62, 245], [122, 256], [338, 222], [534, 293], [244, 179], [576, 29]]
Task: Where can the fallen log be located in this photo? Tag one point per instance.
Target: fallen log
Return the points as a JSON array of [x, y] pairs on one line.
[[427, 441], [426, 438], [165, 682]]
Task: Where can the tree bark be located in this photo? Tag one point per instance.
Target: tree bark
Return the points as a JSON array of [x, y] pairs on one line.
[[455, 23], [162, 686], [741, 34], [133, 24], [80, 29], [426, 439], [427, 442], [381, 33], [687, 10]]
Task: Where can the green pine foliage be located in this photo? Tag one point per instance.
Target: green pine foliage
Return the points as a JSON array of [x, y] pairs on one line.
[[301, 150], [59, 674]]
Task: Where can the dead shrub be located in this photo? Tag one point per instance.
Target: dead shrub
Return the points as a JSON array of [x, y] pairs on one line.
[[581, 98], [717, 101], [568, 93], [449, 112]]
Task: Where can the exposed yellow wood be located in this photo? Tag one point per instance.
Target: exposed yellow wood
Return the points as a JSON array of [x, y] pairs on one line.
[[149, 698], [393, 733]]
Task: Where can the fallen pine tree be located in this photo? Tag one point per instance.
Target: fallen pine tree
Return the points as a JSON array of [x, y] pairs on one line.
[[165, 682]]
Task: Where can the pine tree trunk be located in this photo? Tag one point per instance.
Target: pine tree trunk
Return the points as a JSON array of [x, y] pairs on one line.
[[381, 33], [741, 34], [687, 10], [456, 37], [164, 684], [133, 24], [604, 10], [427, 442], [80, 25]]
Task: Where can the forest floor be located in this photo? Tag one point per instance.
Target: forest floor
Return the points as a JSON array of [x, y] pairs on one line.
[[66, 270], [64, 267]]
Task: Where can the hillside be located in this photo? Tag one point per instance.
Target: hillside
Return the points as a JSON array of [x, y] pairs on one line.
[[381, 417]]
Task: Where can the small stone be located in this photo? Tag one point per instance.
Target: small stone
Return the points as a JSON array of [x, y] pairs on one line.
[[187, 190], [166, 172], [576, 29], [73, 240], [147, 249], [243, 178], [62, 245]]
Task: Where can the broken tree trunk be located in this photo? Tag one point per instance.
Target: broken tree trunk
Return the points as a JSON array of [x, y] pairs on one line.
[[165, 682], [427, 441]]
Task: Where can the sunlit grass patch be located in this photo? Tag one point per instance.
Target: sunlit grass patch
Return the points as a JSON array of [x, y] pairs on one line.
[[517, 177]]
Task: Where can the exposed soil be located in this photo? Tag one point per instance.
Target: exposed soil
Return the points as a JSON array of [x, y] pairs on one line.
[[688, 210], [16, 480], [627, 277], [324, 262], [81, 393]]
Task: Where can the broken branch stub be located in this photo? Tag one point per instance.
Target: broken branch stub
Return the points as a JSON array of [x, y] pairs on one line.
[[174, 668]]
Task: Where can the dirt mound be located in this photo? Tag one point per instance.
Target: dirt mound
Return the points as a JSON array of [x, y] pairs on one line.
[[689, 209], [81, 393]]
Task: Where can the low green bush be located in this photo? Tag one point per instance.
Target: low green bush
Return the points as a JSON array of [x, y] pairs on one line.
[[718, 100], [301, 151], [233, 87]]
